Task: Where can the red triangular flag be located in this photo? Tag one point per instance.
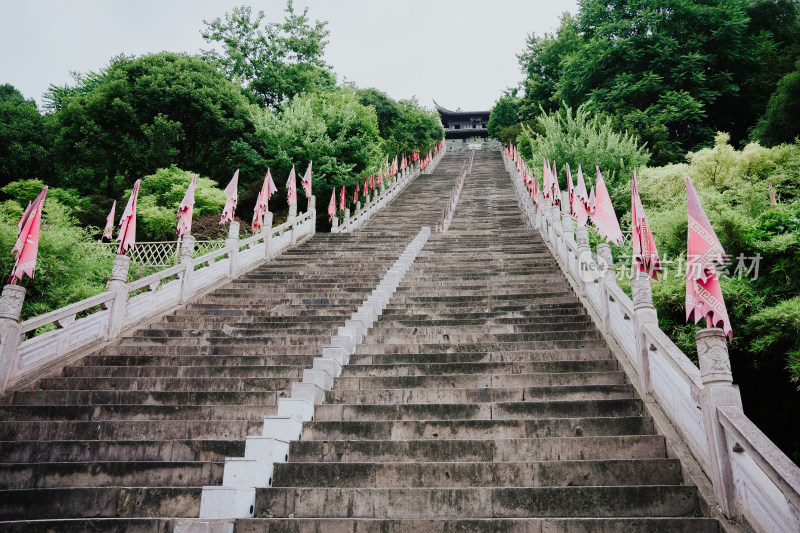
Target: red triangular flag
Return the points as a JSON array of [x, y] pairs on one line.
[[107, 232], [231, 198], [26, 249], [127, 224], [186, 209], [603, 217], [644, 246]]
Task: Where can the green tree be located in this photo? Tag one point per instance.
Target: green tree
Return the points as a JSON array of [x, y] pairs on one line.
[[26, 141], [332, 129], [781, 122], [542, 62], [504, 114], [149, 113], [275, 61], [160, 195], [387, 109], [578, 138]]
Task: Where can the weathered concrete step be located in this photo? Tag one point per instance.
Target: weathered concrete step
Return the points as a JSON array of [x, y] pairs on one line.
[[168, 384], [487, 525], [482, 346], [171, 329], [437, 327], [161, 449], [567, 320], [271, 371], [583, 375], [134, 412], [480, 357], [544, 313], [99, 502], [130, 430], [434, 430], [110, 474], [484, 450], [206, 319], [449, 474], [481, 411], [302, 360], [480, 304], [414, 298], [478, 502], [207, 340], [90, 525], [478, 335], [478, 395], [110, 397], [492, 368], [236, 326], [222, 351]]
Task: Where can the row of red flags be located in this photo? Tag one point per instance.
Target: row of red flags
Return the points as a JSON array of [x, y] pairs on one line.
[[703, 291], [26, 247], [370, 181]]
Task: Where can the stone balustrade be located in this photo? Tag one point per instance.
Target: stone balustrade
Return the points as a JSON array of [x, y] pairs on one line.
[[754, 483], [127, 305]]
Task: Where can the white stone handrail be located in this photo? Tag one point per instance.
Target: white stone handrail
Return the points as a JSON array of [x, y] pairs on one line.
[[754, 482], [104, 317]]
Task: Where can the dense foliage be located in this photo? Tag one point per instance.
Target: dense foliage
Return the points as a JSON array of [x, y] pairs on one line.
[[578, 138], [671, 71], [275, 60], [504, 114]]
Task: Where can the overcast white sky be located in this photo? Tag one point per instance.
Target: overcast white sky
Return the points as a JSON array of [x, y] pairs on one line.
[[459, 52]]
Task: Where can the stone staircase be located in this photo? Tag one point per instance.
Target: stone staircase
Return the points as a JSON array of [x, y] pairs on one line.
[[125, 439], [483, 399]]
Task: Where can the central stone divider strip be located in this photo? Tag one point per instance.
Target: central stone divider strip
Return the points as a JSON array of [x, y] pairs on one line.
[[242, 475], [450, 208]]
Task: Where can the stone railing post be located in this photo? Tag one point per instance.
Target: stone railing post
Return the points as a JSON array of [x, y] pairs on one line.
[[335, 224], [346, 219], [566, 218], [644, 312], [292, 218], [10, 331], [312, 208], [232, 244], [584, 256], [187, 256], [267, 228], [609, 276], [540, 212], [718, 391], [118, 285]]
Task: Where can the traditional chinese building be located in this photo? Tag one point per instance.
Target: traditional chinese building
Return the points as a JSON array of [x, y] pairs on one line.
[[464, 125]]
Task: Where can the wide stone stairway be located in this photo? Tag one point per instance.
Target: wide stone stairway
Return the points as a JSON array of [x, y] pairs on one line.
[[483, 400]]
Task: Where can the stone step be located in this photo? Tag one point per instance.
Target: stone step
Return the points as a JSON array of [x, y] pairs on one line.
[[481, 411], [477, 430], [130, 430], [478, 395], [492, 368], [470, 450], [562, 376], [483, 346], [480, 474], [206, 339], [480, 357], [304, 361], [487, 525], [77, 502], [140, 397], [135, 412], [207, 384], [111, 474], [474, 335], [483, 502], [224, 371], [112, 450], [90, 525]]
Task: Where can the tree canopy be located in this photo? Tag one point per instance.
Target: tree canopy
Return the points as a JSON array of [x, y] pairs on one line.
[[274, 60], [671, 71]]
